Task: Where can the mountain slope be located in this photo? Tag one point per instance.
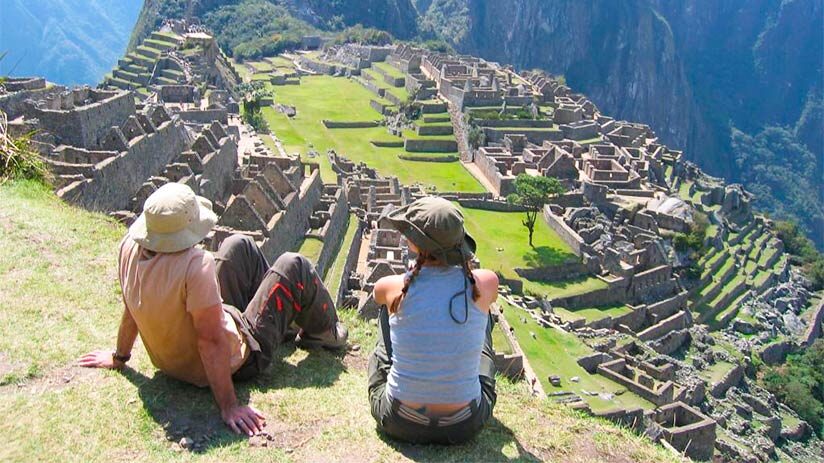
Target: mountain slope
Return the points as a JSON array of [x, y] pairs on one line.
[[67, 41], [711, 77]]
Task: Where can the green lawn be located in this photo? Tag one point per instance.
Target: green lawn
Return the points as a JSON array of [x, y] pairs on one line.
[[377, 79], [553, 352], [591, 314], [500, 341], [339, 99], [311, 248], [60, 299], [503, 246], [389, 69], [335, 270], [503, 242], [715, 372], [571, 287]]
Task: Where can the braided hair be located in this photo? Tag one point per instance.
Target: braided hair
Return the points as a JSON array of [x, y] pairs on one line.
[[425, 257]]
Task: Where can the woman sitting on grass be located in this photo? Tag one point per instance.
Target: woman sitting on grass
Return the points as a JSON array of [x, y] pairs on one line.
[[432, 376]]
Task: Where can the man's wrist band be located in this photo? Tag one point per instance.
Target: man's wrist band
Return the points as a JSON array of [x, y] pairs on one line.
[[121, 358]]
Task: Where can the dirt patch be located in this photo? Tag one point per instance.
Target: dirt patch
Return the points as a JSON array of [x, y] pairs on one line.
[[7, 366], [55, 380], [287, 436], [356, 359]]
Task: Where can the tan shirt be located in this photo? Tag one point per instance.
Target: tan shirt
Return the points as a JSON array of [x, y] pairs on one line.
[[160, 291]]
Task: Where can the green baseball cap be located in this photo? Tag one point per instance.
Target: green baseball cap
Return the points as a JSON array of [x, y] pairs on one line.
[[436, 226]]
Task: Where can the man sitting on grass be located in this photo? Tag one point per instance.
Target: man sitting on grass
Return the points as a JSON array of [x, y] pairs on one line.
[[186, 303]]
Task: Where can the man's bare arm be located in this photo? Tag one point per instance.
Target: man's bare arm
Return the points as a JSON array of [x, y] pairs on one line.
[[126, 335], [214, 353]]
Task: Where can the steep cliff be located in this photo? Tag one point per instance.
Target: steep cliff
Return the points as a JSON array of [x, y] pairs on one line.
[[620, 54]]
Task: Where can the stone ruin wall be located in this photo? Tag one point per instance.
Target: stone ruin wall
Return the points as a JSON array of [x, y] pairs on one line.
[[115, 180], [351, 263], [335, 227], [82, 126], [290, 227]]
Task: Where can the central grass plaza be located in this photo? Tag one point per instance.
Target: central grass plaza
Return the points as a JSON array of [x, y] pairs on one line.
[[319, 98]]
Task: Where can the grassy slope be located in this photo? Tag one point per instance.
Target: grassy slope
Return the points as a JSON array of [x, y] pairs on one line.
[[338, 99], [60, 299], [554, 352]]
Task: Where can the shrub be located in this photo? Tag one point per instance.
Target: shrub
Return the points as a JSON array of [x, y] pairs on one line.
[[477, 137], [17, 158], [803, 250], [800, 384]]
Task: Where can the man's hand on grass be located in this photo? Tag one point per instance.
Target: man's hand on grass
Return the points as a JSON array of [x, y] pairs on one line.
[[243, 419], [100, 359]]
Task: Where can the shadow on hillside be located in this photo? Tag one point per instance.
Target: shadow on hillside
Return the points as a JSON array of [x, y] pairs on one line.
[[489, 446], [183, 410], [545, 256]]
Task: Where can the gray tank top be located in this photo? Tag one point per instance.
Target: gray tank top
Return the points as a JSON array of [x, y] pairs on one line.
[[434, 358]]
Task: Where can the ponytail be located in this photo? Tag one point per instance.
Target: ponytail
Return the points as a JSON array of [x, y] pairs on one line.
[[476, 293]]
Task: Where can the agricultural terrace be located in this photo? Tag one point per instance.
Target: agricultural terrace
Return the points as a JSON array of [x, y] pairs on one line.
[[319, 98], [551, 351]]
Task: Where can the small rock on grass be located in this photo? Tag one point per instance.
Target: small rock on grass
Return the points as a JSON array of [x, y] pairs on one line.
[[186, 443], [575, 379], [354, 347]]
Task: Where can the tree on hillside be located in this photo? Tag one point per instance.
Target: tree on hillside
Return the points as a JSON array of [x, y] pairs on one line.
[[253, 93], [533, 193], [476, 137]]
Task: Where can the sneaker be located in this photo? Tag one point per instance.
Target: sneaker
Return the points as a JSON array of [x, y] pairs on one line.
[[334, 338]]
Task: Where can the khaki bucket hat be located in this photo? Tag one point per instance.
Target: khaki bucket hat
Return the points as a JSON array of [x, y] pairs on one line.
[[173, 219], [436, 226]]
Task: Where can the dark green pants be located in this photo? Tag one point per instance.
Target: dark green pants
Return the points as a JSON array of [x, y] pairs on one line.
[[264, 301], [402, 424]]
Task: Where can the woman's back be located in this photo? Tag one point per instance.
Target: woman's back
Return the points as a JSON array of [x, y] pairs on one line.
[[435, 354]]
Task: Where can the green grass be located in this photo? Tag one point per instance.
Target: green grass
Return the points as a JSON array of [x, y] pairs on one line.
[[281, 62], [335, 270], [500, 341], [311, 247], [684, 190], [503, 246], [413, 135], [242, 70], [715, 372], [503, 230], [553, 352], [60, 299], [571, 287], [339, 99], [400, 92], [591, 314], [389, 69]]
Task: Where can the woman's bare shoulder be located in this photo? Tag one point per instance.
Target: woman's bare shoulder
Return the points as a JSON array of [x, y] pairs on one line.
[[486, 278], [387, 288], [487, 283]]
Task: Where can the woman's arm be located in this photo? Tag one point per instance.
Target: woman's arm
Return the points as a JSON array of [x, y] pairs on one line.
[[487, 283]]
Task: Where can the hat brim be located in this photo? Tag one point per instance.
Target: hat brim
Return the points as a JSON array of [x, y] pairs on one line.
[[178, 241], [396, 220]]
